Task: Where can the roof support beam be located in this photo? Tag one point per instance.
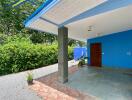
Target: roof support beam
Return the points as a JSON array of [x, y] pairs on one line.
[[49, 21], [102, 8]]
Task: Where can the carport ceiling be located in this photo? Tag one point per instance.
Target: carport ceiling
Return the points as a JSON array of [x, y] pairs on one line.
[[85, 19]]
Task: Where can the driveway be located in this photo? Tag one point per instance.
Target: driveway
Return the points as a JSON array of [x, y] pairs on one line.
[[14, 86]]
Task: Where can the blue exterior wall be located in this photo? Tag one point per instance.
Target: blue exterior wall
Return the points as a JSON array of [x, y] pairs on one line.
[[79, 52], [116, 49]]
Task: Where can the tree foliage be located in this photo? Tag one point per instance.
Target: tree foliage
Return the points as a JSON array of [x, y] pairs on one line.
[[12, 18]]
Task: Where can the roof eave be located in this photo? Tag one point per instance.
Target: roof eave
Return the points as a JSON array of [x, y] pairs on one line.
[[48, 4]]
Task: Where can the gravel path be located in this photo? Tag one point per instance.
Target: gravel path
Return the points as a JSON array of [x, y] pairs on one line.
[[14, 86]]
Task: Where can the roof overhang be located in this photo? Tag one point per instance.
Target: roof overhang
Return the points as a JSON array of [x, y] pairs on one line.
[[85, 19]]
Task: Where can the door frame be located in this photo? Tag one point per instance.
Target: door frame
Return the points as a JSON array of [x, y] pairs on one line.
[[100, 54]]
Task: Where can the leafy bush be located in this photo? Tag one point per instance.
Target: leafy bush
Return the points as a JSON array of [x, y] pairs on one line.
[[81, 62], [30, 78], [70, 53], [5, 39], [38, 37], [2, 38], [21, 54]]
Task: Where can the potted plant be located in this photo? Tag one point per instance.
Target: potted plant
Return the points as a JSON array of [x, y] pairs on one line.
[[30, 78], [81, 62]]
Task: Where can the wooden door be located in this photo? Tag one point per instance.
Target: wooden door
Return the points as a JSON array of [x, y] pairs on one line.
[[96, 54]]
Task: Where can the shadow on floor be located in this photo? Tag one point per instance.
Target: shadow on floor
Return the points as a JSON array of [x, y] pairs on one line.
[[51, 81], [90, 83], [103, 83]]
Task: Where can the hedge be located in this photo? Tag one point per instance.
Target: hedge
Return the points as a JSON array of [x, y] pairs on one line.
[[21, 56]]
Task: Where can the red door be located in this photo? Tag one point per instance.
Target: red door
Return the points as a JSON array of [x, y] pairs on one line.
[[96, 55]]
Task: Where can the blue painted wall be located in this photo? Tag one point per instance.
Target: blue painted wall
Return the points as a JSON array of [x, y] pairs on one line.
[[79, 52], [116, 49]]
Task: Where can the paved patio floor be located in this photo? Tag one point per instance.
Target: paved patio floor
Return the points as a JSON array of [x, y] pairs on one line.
[[49, 88], [104, 84]]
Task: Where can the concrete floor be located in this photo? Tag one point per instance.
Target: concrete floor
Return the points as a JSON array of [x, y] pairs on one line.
[[103, 84]]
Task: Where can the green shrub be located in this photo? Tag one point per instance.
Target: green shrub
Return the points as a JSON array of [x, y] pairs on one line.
[[81, 62], [37, 38], [70, 53], [2, 38], [5, 39], [30, 78], [21, 56]]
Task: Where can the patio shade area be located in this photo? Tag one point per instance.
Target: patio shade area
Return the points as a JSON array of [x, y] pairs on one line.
[[88, 20], [94, 21], [84, 19], [105, 84]]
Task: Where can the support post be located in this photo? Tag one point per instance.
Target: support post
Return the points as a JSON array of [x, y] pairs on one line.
[[63, 54]]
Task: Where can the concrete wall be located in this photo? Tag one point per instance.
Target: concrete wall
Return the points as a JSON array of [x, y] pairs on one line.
[[116, 49]]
